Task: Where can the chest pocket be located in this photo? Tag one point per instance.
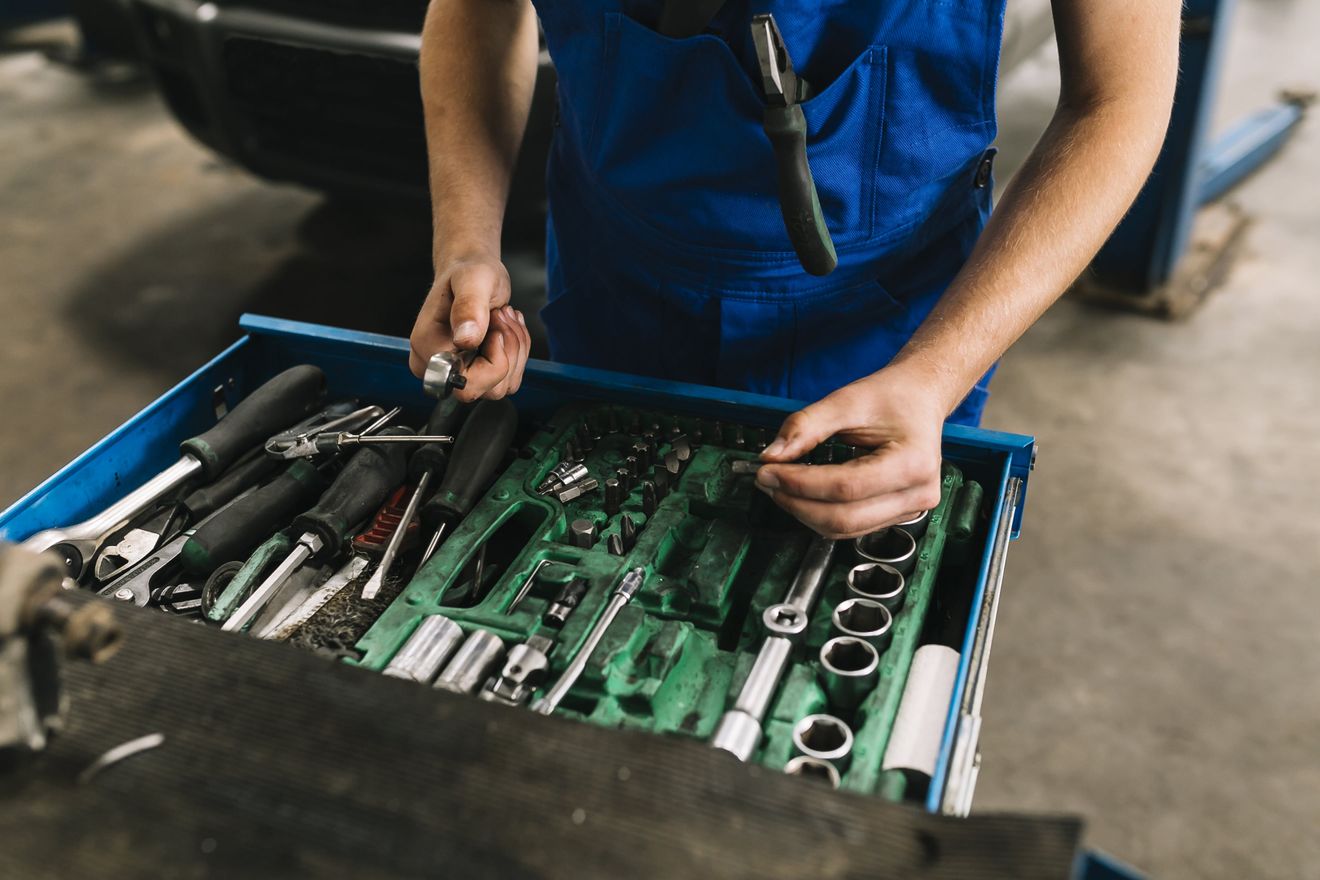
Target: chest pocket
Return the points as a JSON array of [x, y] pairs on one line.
[[676, 141]]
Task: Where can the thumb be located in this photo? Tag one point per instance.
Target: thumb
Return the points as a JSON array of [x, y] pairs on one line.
[[474, 287], [806, 429]]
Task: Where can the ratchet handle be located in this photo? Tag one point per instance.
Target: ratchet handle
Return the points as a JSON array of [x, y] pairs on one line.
[[445, 421], [288, 398], [370, 475], [798, 200], [250, 470], [478, 451], [235, 533]]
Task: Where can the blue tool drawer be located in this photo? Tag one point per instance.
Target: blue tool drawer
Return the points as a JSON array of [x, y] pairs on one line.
[[374, 368]]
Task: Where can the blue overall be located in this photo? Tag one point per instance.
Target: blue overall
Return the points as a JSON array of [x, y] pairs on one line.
[[667, 254]]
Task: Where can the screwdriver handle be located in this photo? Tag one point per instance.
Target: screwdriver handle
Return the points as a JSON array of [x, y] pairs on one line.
[[250, 470], [288, 398], [445, 421], [477, 452], [233, 534], [370, 475], [798, 200]]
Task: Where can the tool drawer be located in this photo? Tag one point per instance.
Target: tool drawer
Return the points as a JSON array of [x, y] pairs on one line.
[[649, 590]]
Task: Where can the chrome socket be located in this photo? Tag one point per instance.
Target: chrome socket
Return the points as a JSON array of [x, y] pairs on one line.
[[475, 662], [878, 582], [426, 650], [849, 671], [813, 768], [824, 738], [892, 546], [865, 619], [916, 526]]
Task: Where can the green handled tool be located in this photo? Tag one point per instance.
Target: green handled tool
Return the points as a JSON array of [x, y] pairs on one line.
[[786, 127], [477, 452], [361, 486]]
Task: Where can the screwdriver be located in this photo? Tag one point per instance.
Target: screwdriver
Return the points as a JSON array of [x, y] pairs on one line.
[[476, 454], [446, 418], [285, 399], [354, 495]]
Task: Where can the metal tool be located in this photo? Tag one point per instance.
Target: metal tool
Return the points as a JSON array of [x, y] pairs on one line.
[[849, 671], [649, 499], [627, 532], [525, 669], [301, 436], [527, 585], [739, 731], [478, 451], [824, 738], [623, 594], [476, 661], [572, 493], [288, 397], [865, 619], [343, 439], [334, 585], [444, 373], [426, 651], [813, 768], [745, 466], [562, 477], [583, 533], [134, 544], [426, 462], [892, 546], [786, 126], [358, 490], [916, 525], [879, 583], [613, 496], [569, 598]]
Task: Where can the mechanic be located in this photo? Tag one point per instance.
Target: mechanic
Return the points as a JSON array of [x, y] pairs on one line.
[[667, 252]]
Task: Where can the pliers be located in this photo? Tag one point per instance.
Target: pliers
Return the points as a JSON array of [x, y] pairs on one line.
[[786, 127]]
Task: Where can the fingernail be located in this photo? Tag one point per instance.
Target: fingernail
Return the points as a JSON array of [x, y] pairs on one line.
[[774, 448], [521, 319], [467, 330], [770, 493], [766, 479]]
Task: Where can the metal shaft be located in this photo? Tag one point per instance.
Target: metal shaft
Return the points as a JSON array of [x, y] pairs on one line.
[[623, 593], [80, 542], [308, 544], [739, 731], [377, 579], [435, 542]]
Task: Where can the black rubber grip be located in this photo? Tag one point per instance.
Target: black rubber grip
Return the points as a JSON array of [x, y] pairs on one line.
[[361, 487], [283, 401], [478, 451], [446, 420], [249, 470], [787, 129], [235, 532]]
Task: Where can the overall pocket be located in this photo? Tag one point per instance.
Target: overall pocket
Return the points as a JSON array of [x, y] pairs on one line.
[[677, 142]]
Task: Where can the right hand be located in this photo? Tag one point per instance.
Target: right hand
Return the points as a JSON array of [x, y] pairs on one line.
[[468, 310]]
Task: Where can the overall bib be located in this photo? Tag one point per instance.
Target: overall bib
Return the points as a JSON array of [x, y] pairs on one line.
[[666, 250]]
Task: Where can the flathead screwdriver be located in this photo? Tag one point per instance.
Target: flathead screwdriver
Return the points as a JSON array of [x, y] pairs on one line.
[[476, 454], [425, 463], [359, 489]]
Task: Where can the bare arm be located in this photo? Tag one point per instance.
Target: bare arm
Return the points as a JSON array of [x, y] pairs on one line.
[[478, 70], [1118, 60]]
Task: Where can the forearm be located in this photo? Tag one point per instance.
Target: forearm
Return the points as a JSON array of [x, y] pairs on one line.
[[478, 71], [1062, 205]]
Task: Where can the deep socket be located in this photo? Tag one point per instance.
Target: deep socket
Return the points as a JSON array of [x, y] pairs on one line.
[[849, 671], [865, 619], [894, 547], [879, 583]]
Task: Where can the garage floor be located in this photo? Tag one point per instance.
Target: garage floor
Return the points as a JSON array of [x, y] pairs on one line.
[[1157, 657]]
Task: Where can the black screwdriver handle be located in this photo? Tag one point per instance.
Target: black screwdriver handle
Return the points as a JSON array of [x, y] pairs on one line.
[[288, 398], [798, 200], [445, 421], [478, 451], [249, 470], [364, 483], [236, 531]]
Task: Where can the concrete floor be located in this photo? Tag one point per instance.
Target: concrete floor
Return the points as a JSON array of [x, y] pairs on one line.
[[1156, 662]]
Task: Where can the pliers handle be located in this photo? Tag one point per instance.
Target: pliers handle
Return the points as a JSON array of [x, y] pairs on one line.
[[786, 127]]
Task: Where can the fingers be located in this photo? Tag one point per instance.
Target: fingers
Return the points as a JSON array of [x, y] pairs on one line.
[[524, 352], [892, 468], [498, 368], [844, 521], [477, 289], [807, 428], [430, 332]]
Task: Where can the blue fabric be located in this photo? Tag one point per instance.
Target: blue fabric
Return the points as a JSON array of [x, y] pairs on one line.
[[667, 252]]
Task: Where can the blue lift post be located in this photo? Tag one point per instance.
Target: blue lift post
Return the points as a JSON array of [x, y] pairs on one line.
[[1140, 260]]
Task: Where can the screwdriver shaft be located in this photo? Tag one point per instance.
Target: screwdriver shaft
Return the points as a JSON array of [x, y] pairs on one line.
[[377, 579], [435, 542], [307, 545]]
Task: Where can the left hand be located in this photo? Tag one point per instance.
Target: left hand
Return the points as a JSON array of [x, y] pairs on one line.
[[895, 422]]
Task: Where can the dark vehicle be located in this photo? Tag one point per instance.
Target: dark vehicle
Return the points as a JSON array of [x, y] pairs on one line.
[[322, 93]]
